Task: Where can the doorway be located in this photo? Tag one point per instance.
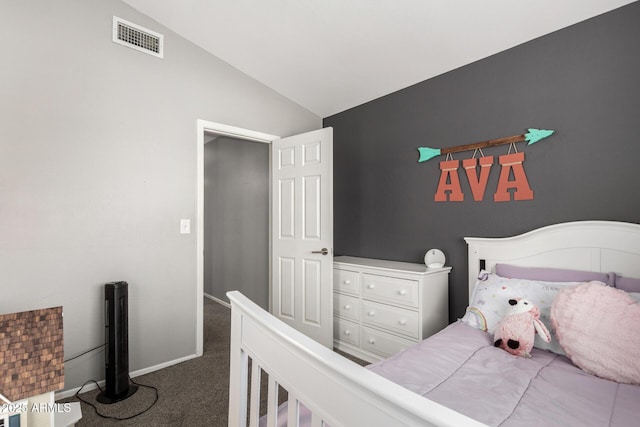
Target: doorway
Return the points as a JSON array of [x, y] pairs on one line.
[[236, 219], [205, 131]]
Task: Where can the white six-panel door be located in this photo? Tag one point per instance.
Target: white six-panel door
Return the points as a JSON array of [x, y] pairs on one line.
[[302, 233]]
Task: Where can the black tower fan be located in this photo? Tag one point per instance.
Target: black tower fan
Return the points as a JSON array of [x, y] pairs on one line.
[[117, 344]]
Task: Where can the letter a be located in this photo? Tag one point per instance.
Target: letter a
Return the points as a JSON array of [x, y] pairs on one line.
[[478, 184], [512, 162], [449, 169]]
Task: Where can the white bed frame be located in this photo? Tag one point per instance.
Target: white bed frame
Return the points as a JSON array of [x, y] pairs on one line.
[[603, 246], [339, 392]]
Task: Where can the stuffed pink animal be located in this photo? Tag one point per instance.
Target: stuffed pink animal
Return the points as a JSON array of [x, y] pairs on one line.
[[517, 330]]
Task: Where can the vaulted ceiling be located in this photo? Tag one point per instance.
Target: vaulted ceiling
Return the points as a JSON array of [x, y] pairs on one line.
[[331, 55]]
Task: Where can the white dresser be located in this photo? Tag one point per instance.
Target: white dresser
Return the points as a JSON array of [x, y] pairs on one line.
[[381, 307]]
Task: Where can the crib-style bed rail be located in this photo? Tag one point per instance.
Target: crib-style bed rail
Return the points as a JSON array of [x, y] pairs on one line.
[[323, 387]]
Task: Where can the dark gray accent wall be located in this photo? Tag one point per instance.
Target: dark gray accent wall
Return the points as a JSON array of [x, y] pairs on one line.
[[583, 81], [236, 219]]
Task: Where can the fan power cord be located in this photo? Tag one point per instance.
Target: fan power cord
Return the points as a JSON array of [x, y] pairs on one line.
[[85, 352], [117, 418]]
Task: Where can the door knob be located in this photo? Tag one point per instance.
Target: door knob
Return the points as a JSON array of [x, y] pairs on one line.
[[323, 251]]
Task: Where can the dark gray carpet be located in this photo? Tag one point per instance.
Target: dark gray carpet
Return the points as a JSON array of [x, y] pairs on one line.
[[190, 394]]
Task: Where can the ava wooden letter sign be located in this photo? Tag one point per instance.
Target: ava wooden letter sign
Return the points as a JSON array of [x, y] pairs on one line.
[[477, 183], [477, 169], [449, 183]]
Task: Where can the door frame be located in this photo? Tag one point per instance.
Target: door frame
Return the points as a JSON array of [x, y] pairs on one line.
[[205, 126]]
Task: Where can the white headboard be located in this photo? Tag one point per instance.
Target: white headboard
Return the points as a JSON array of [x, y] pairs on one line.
[[603, 246]]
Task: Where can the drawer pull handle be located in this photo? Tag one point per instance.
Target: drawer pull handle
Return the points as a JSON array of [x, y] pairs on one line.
[[372, 341], [347, 282], [371, 286], [347, 332], [402, 292], [402, 322], [347, 307], [371, 313]]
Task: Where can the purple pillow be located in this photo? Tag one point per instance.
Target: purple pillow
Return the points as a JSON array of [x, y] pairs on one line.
[[628, 284], [554, 274]]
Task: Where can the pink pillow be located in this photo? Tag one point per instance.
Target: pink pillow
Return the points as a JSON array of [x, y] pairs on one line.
[[599, 329]]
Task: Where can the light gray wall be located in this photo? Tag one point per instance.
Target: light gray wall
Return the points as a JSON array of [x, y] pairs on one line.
[[98, 166], [236, 219]]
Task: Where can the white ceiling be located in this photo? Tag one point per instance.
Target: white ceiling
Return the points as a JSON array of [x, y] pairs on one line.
[[331, 55]]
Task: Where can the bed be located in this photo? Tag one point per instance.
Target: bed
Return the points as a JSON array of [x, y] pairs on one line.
[[454, 378]]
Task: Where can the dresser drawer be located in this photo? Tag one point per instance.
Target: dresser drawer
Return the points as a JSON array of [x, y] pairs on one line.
[[346, 306], [396, 319], [381, 343], [390, 289], [346, 281], [346, 331], [382, 307]]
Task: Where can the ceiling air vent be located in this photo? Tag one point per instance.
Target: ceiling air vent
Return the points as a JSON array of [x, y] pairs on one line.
[[137, 37]]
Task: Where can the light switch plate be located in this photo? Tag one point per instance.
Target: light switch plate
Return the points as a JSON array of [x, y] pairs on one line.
[[185, 226]]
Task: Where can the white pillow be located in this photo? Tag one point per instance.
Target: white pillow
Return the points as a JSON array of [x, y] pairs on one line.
[[490, 300]]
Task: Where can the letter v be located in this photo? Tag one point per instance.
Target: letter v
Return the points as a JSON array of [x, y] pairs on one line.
[[478, 184]]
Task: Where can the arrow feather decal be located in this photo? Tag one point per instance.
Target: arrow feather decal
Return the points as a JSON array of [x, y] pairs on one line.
[[427, 153]]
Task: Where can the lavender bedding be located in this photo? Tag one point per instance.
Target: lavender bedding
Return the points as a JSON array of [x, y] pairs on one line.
[[459, 368]]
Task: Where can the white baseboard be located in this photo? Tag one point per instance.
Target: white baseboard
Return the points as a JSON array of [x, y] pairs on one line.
[[71, 392], [218, 300]]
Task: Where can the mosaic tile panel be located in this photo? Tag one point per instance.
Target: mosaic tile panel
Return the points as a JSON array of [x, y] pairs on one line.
[[31, 353]]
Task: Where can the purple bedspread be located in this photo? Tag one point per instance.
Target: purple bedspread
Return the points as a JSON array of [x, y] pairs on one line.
[[459, 368]]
